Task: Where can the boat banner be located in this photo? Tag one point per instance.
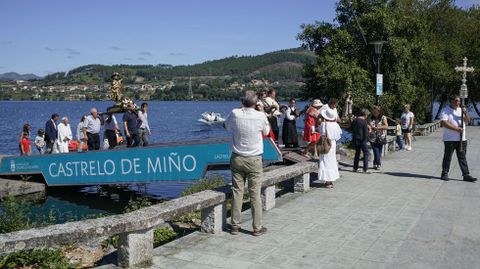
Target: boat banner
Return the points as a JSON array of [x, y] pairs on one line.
[[129, 165]]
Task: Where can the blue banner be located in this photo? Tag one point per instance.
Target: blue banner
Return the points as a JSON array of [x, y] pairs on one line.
[[132, 165], [379, 84]]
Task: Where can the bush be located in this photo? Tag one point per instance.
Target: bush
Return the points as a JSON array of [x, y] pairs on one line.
[[209, 183], [163, 235], [39, 258], [137, 204], [14, 215]]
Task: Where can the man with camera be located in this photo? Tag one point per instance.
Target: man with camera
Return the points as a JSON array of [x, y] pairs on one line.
[[272, 108]]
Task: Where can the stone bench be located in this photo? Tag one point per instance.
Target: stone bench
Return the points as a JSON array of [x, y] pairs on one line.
[[135, 229]]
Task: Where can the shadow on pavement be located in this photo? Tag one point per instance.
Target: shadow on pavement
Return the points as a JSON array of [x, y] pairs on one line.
[[402, 174]]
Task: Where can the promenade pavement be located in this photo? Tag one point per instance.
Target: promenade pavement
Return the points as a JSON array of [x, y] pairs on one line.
[[401, 217]]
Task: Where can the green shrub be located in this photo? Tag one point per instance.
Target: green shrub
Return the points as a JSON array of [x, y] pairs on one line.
[[39, 258], [137, 204], [209, 183], [14, 215], [163, 235]]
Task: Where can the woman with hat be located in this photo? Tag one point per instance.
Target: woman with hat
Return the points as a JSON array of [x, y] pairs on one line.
[[328, 167], [310, 134]]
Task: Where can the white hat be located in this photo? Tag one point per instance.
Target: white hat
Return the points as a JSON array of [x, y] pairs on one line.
[[328, 114], [317, 103]]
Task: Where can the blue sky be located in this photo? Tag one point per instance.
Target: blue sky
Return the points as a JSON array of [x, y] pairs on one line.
[[46, 36]]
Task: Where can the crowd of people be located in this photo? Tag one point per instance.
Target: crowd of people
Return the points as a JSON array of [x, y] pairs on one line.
[[259, 115], [257, 118], [57, 137]]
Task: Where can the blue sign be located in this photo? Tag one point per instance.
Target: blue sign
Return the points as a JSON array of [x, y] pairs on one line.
[[132, 165], [379, 84]]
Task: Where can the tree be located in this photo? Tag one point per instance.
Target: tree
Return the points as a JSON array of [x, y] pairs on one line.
[[425, 40]]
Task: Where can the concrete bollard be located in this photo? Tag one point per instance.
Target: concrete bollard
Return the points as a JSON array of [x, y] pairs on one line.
[[301, 183], [135, 248], [213, 218], [268, 198]]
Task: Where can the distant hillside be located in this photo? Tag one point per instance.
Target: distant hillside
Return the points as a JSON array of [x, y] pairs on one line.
[[12, 76], [283, 65]]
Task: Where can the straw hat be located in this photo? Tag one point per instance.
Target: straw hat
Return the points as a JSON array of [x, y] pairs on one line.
[[317, 103]]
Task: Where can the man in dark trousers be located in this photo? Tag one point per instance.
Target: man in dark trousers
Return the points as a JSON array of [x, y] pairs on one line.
[[453, 132], [91, 129], [360, 139], [51, 133], [130, 121]]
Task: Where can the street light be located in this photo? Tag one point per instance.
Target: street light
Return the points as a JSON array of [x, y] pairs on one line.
[[379, 78]]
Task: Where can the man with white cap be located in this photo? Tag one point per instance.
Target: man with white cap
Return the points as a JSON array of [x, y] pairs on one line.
[[64, 136]]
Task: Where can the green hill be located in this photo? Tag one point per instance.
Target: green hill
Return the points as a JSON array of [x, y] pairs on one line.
[[283, 65]]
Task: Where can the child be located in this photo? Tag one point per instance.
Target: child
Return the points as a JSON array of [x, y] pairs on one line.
[[25, 145], [40, 141], [398, 133]]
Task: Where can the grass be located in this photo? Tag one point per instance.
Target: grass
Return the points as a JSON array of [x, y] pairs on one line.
[[38, 258]]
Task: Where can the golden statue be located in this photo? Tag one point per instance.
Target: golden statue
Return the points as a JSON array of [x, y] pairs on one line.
[[121, 102], [116, 88]]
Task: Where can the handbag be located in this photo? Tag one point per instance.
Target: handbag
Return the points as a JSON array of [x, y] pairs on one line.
[[378, 137], [324, 143]]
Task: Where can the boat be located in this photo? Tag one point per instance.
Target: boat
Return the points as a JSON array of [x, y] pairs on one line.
[[157, 162], [211, 118]]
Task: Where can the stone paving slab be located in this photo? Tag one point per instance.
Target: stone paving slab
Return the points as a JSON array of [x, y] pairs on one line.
[[401, 217]]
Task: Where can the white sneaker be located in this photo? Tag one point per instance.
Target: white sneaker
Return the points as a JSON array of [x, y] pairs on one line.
[[409, 148]]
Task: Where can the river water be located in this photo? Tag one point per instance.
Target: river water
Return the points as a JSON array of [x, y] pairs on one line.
[[169, 121]]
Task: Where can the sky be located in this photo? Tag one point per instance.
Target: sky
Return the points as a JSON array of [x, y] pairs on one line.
[[47, 36]]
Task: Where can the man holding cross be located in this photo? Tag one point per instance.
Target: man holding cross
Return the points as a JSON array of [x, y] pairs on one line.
[[453, 119], [453, 129]]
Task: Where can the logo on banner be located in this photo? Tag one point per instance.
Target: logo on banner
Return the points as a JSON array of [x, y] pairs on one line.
[[12, 165]]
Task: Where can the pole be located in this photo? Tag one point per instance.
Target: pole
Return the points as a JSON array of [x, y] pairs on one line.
[[461, 124], [378, 72]]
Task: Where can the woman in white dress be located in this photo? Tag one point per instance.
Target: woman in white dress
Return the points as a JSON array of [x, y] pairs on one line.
[[64, 136], [328, 167]]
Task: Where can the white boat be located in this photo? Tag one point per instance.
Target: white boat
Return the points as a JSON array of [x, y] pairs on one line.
[[211, 117]]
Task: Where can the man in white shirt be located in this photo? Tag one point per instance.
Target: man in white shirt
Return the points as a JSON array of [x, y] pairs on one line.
[[247, 126], [453, 132], [144, 129], [91, 129], [273, 110]]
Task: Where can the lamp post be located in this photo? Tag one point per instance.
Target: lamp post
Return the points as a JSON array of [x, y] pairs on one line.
[[379, 78]]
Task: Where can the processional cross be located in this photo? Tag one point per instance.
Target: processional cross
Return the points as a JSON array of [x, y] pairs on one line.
[[464, 69], [463, 90]]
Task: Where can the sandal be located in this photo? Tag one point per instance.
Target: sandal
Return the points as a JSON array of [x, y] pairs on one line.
[[306, 155]]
